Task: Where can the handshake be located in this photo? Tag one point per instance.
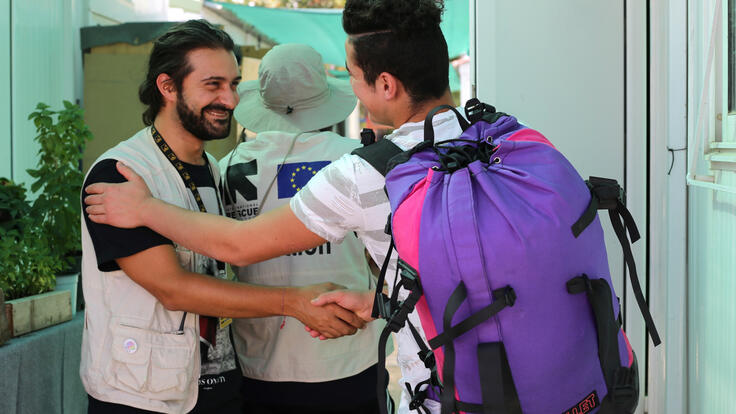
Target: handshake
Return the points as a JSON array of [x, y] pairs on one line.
[[329, 311]]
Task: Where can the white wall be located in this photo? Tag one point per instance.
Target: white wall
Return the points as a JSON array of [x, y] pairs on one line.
[[45, 54], [559, 69], [5, 84]]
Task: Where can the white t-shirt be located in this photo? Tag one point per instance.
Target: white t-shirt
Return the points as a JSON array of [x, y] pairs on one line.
[[348, 196]]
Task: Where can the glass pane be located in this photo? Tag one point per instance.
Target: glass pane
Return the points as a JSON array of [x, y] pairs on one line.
[[732, 56]]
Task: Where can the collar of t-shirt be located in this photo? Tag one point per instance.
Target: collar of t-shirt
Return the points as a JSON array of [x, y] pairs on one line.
[[411, 133]]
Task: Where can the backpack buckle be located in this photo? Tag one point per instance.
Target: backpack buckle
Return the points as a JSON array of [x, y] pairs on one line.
[[417, 400], [607, 191], [383, 305], [397, 319], [507, 294], [367, 136], [474, 110], [409, 276], [428, 358]]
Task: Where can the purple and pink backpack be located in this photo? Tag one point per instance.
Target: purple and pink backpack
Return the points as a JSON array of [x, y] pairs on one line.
[[503, 254]]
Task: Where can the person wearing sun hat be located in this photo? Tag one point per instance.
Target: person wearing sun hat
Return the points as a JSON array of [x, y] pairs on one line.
[[292, 107]]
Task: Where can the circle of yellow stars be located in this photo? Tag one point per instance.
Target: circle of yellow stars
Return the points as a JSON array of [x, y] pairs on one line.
[[302, 168]]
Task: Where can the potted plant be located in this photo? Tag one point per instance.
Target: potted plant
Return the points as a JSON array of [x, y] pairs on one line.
[[28, 264], [62, 136]]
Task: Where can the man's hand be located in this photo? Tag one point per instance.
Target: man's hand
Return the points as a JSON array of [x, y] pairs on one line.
[[118, 205], [330, 320], [360, 302]]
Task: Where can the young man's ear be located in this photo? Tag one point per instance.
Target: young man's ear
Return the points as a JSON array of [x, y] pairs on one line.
[[388, 85], [165, 85]]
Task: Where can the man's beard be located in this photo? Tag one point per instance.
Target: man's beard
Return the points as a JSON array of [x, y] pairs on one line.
[[198, 125]]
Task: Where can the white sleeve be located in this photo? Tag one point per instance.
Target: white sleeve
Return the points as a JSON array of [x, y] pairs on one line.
[[329, 205]]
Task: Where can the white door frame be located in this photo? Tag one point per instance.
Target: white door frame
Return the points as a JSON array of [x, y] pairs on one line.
[[668, 205], [636, 180]]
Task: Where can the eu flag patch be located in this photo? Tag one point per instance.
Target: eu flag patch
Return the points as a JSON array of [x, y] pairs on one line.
[[294, 176]]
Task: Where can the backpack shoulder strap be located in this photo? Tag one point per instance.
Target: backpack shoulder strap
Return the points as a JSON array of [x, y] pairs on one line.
[[378, 154]]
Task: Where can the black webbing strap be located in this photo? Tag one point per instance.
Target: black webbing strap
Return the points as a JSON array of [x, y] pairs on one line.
[[606, 194], [395, 313], [379, 303], [503, 297], [623, 397], [425, 355], [418, 395], [496, 383], [429, 128], [599, 298], [382, 383], [378, 154], [588, 216], [448, 372], [618, 227]]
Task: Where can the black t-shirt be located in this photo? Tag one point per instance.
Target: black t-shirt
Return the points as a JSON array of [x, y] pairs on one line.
[[112, 243]]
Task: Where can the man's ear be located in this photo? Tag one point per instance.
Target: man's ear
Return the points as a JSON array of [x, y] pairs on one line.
[[388, 85], [166, 86]]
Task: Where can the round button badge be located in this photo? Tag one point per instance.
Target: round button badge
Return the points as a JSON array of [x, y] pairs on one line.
[[130, 345]]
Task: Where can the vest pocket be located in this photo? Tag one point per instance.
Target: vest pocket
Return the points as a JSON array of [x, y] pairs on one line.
[[172, 365], [131, 353], [151, 362]]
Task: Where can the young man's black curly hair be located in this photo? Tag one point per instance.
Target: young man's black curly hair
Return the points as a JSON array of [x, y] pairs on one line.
[[170, 56], [403, 38]]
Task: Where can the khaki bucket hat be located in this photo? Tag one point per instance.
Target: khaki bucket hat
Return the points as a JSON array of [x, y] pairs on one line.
[[293, 93]]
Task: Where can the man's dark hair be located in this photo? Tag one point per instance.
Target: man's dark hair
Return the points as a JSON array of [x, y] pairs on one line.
[[170, 56], [403, 38]]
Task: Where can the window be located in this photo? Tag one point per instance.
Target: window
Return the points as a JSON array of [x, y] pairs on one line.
[[712, 94]]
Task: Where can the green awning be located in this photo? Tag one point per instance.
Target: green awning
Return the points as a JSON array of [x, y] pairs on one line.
[[322, 28], [319, 28]]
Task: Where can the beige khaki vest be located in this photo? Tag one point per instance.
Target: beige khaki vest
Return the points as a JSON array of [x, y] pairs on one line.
[[266, 350], [133, 352]]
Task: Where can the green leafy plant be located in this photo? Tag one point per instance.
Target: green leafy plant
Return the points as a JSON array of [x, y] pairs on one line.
[[62, 136], [28, 265], [13, 205]]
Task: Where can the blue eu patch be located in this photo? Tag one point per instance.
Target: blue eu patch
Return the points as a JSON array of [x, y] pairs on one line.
[[294, 176]]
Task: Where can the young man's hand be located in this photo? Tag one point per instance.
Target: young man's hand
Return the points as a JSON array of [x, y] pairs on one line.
[[119, 205], [330, 320], [360, 302]]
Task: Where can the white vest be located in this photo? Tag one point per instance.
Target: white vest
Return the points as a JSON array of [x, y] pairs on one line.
[[132, 350], [266, 351]]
